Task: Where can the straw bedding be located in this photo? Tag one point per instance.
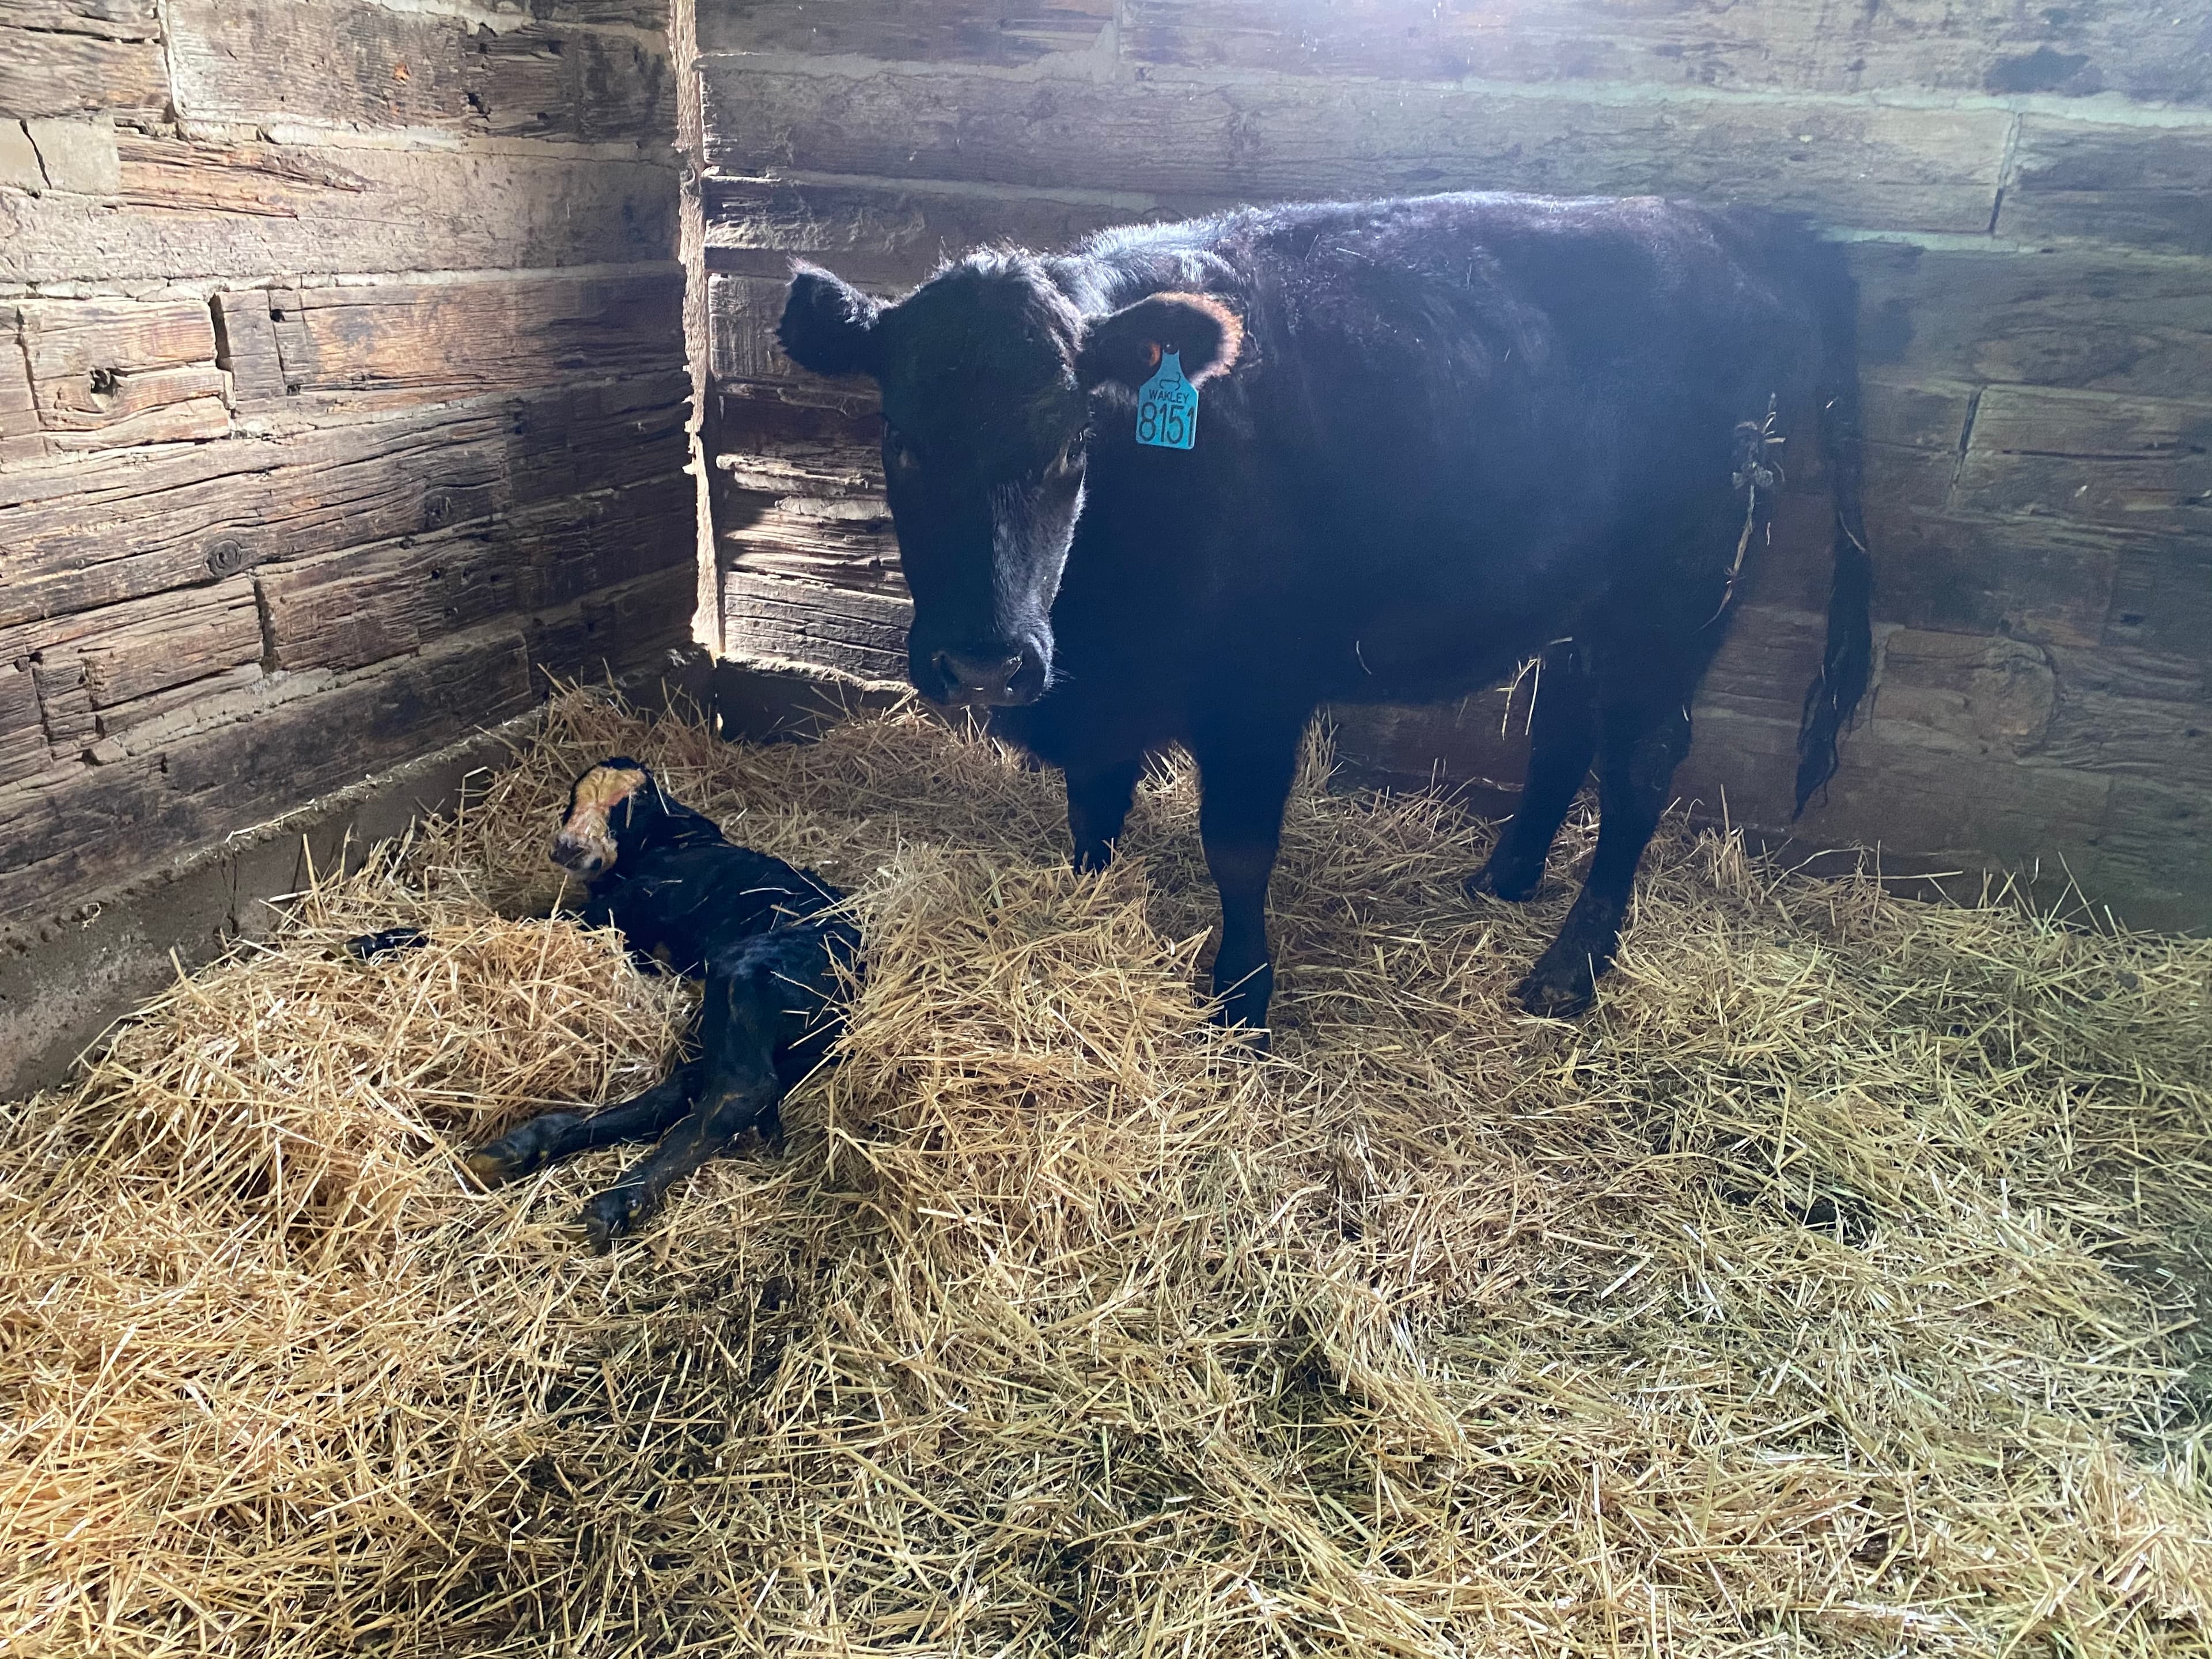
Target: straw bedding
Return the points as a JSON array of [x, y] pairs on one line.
[[1830, 1289]]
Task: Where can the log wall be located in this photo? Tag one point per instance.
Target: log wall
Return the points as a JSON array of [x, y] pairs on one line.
[[2026, 191], [343, 401]]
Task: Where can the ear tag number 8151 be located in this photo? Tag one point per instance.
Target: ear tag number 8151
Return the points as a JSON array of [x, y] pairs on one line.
[[1167, 407]]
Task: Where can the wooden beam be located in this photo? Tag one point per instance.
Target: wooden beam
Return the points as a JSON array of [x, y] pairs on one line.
[[2142, 187], [115, 528], [163, 795], [81, 57], [1877, 165], [106, 373], [1001, 32], [247, 209], [351, 63], [2141, 463], [774, 618]]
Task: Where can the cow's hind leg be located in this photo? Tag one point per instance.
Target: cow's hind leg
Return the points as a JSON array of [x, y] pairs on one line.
[[1643, 704], [1098, 806], [1562, 739], [551, 1136]]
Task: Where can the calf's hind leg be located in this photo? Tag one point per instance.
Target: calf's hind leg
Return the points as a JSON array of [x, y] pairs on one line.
[[551, 1136], [761, 1029]]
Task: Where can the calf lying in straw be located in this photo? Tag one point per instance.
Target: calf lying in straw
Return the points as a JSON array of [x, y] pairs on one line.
[[759, 934]]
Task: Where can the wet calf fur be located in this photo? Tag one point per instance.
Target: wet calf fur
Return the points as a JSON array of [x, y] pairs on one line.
[[760, 935], [1436, 437]]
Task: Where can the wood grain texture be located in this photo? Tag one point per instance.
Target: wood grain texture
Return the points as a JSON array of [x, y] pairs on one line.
[[1917, 169], [1002, 32], [2161, 54], [122, 528], [352, 64], [106, 373], [161, 795], [249, 209], [775, 619], [2102, 321], [364, 604], [2099, 457], [456, 339], [2135, 186], [78, 56]]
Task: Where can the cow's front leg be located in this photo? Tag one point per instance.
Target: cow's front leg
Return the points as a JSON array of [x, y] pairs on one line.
[[1645, 738], [1244, 778], [1562, 741], [1098, 806]]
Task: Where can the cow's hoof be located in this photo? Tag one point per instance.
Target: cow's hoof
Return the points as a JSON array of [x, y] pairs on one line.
[[1496, 880], [1254, 1039], [609, 1215], [1556, 993]]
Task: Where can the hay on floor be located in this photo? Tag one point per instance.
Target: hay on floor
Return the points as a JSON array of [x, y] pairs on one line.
[[1831, 1290]]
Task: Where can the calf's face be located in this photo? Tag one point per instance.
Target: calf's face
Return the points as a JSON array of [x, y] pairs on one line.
[[601, 804], [990, 374]]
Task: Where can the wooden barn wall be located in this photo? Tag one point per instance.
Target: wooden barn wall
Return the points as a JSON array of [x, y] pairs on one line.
[[2025, 189], [342, 400]]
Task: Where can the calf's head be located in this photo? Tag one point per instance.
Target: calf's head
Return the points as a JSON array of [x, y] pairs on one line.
[[613, 808], [988, 373]]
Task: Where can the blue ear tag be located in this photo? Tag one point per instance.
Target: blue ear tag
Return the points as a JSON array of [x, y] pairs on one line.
[[1167, 407]]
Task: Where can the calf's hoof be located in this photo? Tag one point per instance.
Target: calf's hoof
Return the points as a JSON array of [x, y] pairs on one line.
[[519, 1152], [610, 1214], [1557, 992], [1255, 1039], [363, 946], [1508, 882]]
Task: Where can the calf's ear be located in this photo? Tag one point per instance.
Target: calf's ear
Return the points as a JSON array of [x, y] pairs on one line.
[[828, 325], [1205, 334]]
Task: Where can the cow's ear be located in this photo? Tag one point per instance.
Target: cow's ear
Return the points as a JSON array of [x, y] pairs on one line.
[[828, 325], [1205, 334]]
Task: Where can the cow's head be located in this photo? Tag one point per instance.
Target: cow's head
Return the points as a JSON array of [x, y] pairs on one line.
[[986, 372]]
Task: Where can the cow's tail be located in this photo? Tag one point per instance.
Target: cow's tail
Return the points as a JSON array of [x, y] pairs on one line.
[[1832, 702]]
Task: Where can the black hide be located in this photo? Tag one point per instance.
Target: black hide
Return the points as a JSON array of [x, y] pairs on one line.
[[1436, 437]]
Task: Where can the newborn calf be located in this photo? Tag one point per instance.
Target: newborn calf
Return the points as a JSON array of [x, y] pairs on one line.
[[752, 928]]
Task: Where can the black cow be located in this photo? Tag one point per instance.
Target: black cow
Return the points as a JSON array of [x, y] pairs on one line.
[[763, 935], [1436, 437]]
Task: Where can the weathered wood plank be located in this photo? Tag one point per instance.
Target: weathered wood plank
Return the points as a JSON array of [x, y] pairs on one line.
[[2157, 53], [2162, 597], [72, 57], [2049, 580], [1003, 32], [109, 373], [22, 737], [881, 237], [2152, 861], [455, 338], [103, 670], [366, 604], [2104, 723], [843, 543], [351, 63], [246, 343], [2141, 187], [2096, 321], [617, 631], [20, 438], [244, 210], [1909, 167], [2097, 457], [117, 528], [82, 828], [774, 618]]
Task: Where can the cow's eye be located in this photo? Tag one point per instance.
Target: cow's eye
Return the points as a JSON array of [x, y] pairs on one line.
[[899, 452], [1070, 459]]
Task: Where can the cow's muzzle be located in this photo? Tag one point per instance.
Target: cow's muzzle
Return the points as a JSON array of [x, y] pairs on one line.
[[996, 676]]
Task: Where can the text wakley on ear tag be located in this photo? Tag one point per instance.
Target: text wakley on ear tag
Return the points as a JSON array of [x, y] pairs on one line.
[[1167, 407]]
